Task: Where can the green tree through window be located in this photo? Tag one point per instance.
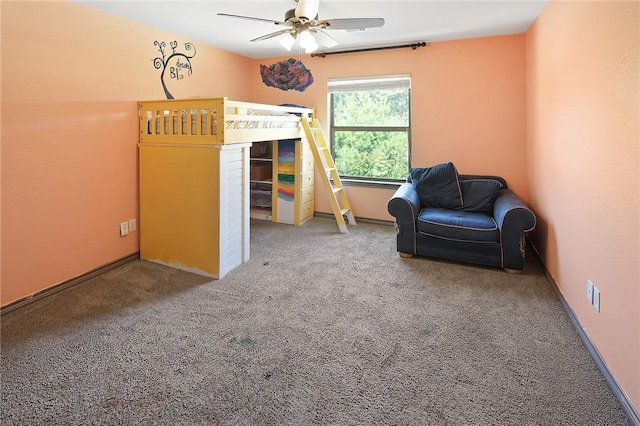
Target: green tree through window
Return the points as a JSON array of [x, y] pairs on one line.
[[370, 127]]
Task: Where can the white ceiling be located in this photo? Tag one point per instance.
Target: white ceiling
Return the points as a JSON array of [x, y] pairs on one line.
[[405, 21]]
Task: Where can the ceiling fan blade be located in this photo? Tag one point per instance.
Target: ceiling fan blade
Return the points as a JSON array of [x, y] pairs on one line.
[[251, 18], [324, 39], [350, 23], [271, 35], [307, 9]]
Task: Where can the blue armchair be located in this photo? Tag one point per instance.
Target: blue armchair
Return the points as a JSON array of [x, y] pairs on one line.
[[465, 218]]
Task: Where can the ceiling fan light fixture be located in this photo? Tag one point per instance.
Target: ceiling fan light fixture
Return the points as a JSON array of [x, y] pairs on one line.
[[308, 42], [288, 42], [312, 48]]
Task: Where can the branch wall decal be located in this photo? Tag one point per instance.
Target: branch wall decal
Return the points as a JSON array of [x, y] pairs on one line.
[[173, 62]]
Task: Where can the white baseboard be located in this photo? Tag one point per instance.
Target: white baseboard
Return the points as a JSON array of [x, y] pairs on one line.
[[621, 396], [69, 283], [358, 219]]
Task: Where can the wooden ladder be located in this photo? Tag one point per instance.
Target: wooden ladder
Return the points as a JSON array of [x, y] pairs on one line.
[[328, 173]]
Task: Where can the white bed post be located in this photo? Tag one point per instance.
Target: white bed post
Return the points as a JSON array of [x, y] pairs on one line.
[[246, 201]]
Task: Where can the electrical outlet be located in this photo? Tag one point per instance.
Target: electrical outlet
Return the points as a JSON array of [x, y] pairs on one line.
[[124, 229], [590, 291], [596, 298], [132, 225]]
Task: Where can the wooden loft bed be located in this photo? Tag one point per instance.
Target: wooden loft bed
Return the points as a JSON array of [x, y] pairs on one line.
[[218, 121], [195, 183]]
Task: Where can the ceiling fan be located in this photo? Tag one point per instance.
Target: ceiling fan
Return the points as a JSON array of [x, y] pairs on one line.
[[302, 23]]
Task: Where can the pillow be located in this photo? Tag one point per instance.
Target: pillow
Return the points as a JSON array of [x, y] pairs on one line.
[[479, 195], [437, 186], [299, 114]]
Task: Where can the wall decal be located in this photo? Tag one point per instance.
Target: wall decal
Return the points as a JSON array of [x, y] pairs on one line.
[[290, 74], [177, 62]]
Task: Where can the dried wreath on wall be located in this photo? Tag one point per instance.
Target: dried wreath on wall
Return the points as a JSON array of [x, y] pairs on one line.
[[173, 62], [290, 74]]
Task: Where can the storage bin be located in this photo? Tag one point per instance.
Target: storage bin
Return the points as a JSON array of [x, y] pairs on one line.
[[260, 171], [260, 198], [261, 150]]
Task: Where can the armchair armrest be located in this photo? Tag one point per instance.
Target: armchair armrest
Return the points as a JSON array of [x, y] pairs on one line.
[[405, 207], [513, 219]]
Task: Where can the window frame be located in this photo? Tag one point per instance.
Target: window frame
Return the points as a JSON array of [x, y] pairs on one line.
[[365, 180]]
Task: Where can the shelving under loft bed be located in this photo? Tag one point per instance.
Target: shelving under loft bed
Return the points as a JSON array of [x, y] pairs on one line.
[[282, 181]]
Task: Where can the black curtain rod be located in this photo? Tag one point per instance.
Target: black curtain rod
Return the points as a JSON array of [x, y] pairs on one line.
[[413, 46]]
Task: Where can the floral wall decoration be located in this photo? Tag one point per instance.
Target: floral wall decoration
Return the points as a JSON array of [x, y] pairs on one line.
[[290, 74], [177, 63]]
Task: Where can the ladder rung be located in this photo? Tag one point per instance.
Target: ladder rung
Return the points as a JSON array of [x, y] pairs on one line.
[[344, 211], [336, 190]]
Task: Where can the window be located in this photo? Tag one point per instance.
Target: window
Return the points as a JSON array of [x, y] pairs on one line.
[[370, 127]]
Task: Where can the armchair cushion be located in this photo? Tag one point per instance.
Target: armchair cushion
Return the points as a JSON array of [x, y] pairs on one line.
[[437, 186], [458, 225]]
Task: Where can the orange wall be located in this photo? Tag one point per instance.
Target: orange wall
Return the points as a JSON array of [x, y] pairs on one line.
[[583, 143], [468, 107], [71, 77]]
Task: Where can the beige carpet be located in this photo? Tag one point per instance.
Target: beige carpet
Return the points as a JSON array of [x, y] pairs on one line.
[[317, 328]]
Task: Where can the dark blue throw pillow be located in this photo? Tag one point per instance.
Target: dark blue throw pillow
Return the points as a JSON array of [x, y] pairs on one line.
[[479, 194], [437, 186]]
